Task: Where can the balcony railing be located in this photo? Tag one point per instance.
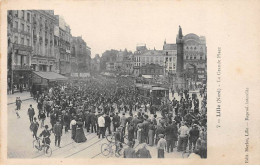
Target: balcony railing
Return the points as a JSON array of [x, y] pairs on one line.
[[22, 47], [22, 67]]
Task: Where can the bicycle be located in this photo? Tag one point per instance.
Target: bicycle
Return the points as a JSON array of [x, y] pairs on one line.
[[113, 147], [46, 148]]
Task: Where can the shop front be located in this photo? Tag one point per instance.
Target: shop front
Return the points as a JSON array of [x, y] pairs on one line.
[[19, 77], [41, 81]]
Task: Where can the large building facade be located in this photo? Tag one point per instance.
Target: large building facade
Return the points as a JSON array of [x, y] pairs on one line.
[[43, 57], [80, 56], [195, 56], [20, 49], [64, 45], [185, 63], [40, 41], [164, 58]]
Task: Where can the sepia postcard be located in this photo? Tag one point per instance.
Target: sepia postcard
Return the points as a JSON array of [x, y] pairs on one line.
[[130, 82]]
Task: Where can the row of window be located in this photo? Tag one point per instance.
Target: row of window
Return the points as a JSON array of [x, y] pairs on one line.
[[21, 60], [23, 15], [191, 48], [23, 27], [193, 58], [23, 41], [152, 71], [152, 59]]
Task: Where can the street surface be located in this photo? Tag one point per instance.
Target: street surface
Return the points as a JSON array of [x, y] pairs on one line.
[[20, 137]]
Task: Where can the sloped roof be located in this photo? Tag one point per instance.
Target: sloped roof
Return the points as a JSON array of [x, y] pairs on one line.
[[170, 46], [153, 52], [51, 76]]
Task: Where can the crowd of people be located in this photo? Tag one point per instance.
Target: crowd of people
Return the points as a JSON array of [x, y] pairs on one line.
[[106, 106]]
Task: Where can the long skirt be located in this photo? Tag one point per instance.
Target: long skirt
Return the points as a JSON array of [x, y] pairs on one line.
[[80, 136], [160, 153], [73, 131], [151, 137]]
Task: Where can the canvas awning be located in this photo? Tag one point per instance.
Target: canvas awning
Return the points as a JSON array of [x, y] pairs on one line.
[[51, 76], [147, 76]]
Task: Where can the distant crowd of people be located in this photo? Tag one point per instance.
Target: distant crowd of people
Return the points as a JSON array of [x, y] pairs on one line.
[[106, 106]]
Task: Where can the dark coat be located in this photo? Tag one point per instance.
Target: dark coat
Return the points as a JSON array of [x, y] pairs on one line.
[[93, 118], [116, 120], [159, 130], [171, 132], [107, 121], [31, 112], [129, 153], [57, 129], [87, 118], [143, 153]]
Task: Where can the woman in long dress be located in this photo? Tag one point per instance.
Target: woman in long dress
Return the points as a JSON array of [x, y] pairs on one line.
[[80, 136]]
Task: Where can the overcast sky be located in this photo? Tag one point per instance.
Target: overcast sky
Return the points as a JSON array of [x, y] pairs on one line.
[[106, 26]]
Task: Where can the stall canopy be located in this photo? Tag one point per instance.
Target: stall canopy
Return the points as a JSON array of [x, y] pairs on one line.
[[51, 76], [147, 76]]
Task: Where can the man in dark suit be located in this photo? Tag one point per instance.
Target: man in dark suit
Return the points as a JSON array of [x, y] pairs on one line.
[[93, 121], [107, 124], [87, 121], [116, 121], [171, 133], [31, 113], [57, 130], [146, 129]]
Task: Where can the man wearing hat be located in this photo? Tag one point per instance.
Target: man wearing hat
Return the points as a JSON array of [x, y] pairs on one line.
[[46, 136], [31, 113], [123, 121], [161, 146], [183, 137], [57, 130], [194, 135], [101, 125], [116, 121], [170, 132]]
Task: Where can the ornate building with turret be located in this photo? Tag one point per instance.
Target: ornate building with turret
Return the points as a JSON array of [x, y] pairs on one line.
[[184, 63]]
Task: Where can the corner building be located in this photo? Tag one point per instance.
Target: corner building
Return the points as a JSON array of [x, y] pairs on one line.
[[20, 51]]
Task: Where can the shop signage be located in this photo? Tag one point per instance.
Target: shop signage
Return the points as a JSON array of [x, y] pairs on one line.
[[74, 74], [21, 52], [34, 61], [43, 62], [84, 75]]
